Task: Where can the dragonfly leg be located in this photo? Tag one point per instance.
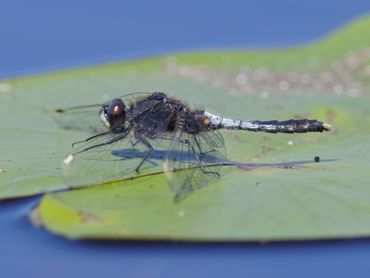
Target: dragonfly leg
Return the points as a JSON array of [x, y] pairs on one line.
[[90, 138], [147, 144], [133, 144], [111, 141]]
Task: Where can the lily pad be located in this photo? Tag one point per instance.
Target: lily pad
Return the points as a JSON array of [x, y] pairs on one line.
[[328, 80]]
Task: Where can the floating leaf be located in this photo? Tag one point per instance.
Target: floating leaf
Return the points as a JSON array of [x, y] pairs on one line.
[[328, 81], [312, 201]]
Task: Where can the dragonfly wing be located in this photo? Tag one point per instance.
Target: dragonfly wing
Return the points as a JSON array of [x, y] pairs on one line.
[[86, 117], [132, 97], [192, 162], [82, 118], [107, 158], [211, 147]]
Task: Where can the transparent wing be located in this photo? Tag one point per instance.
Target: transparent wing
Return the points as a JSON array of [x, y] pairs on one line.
[[86, 117], [133, 97], [194, 161], [107, 158], [211, 139], [81, 118]]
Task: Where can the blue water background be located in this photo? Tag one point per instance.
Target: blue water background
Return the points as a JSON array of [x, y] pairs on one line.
[[44, 35]]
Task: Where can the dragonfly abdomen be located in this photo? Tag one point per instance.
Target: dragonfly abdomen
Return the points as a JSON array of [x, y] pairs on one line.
[[289, 126]]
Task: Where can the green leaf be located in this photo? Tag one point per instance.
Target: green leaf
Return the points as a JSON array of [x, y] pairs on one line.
[[311, 200], [321, 200]]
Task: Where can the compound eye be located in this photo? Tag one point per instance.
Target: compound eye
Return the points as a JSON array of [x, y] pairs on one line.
[[116, 107], [116, 113]]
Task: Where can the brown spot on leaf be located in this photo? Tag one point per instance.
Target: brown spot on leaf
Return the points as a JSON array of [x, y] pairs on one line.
[[88, 217], [331, 115], [266, 144]]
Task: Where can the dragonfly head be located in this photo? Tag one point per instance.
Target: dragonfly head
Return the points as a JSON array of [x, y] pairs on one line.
[[113, 115]]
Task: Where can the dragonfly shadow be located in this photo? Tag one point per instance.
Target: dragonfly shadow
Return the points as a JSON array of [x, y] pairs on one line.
[[281, 165], [160, 156]]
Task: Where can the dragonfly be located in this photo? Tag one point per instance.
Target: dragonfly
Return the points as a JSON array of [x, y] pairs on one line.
[[141, 133]]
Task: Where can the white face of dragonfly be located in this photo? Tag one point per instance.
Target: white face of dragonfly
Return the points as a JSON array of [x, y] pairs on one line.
[[103, 118]]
